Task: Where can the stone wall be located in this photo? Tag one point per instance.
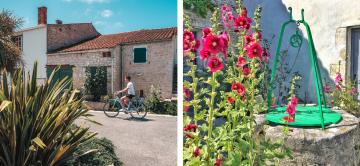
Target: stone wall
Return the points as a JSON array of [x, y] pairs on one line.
[[81, 60], [158, 70], [64, 35]]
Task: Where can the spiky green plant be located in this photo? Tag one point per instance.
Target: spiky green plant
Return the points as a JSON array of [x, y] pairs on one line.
[[36, 121]]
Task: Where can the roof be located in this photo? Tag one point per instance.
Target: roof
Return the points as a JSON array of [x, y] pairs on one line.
[[112, 40]]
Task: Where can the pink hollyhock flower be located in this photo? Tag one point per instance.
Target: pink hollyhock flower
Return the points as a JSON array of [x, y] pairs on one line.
[[213, 44], [294, 101], [217, 162], [226, 15], [196, 152], [215, 64], [230, 100], [353, 91], [239, 88], [241, 62], [338, 78], [188, 35], [248, 39], [204, 54], [224, 42], [246, 71], [254, 50], [244, 12], [242, 22], [290, 109], [186, 46], [206, 32], [195, 46], [326, 89], [186, 93]]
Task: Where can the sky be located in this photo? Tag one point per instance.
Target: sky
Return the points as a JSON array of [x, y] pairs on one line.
[[108, 16]]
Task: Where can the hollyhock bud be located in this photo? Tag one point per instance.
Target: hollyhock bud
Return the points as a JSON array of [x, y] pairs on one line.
[[217, 162], [186, 108], [196, 152], [338, 79], [186, 93], [215, 64], [239, 88], [241, 62], [246, 71], [230, 100]]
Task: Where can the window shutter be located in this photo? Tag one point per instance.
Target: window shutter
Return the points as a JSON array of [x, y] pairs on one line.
[[140, 55]]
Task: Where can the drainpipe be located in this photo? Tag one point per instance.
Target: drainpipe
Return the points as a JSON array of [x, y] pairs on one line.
[[112, 74], [121, 66]]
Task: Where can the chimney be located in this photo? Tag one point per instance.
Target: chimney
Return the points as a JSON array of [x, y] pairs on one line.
[[42, 15], [58, 21]]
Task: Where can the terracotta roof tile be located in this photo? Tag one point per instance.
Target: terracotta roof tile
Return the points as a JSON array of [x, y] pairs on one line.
[[109, 41]]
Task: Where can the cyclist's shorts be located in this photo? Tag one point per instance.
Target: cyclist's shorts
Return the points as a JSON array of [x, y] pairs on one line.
[[130, 96]]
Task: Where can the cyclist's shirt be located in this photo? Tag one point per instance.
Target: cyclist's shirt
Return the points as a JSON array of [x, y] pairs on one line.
[[131, 89]]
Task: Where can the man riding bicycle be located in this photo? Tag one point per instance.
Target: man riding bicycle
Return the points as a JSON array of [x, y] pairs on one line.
[[130, 93]]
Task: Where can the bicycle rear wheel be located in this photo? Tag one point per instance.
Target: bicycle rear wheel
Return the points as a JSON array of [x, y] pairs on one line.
[[138, 109], [111, 108]]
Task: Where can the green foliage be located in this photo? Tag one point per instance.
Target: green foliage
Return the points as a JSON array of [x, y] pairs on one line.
[[236, 141], [99, 151], [199, 7], [96, 82], [156, 104], [35, 121], [345, 97], [10, 55]]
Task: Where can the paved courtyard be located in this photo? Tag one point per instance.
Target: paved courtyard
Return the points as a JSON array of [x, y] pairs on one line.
[[146, 142]]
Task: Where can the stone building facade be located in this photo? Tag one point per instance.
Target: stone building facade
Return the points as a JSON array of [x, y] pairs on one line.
[[158, 70]]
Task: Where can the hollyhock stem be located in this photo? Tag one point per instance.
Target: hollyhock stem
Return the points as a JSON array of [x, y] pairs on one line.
[[211, 114]]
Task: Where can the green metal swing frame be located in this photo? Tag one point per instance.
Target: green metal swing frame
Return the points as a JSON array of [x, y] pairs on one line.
[[321, 99]]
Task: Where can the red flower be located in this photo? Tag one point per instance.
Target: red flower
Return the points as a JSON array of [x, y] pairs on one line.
[[213, 44], [289, 119], [224, 38], [242, 22], [188, 35], [244, 12], [290, 109], [241, 61], [246, 71], [190, 127], [239, 88], [196, 152], [215, 64], [338, 79], [186, 93], [195, 45], [254, 50], [326, 89], [186, 45], [230, 100], [294, 101], [204, 54], [217, 162], [186, 108], [248, 39], [206, 32]]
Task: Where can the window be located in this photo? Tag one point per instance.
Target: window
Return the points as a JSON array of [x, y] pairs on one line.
[[140, 55], [18, 41], [106, 54]]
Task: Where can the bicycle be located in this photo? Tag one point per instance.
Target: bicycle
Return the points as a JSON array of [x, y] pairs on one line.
[[136, 107]]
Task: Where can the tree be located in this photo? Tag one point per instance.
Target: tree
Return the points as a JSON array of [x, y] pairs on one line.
[[9, 53]]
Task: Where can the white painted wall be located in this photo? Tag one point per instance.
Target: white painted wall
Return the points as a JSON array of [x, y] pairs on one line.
[[329, 21], [34, 49]]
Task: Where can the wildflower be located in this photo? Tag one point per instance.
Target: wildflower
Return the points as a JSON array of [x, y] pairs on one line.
[[186, 93], [246, 71], [217, 162], [294, 101], [242, 22], [204, 54], [196, 152], [254, 50], [326, 89], [239, 88], [241, 62], [213, 44], [230, 100], [338, 78], [215, 64]]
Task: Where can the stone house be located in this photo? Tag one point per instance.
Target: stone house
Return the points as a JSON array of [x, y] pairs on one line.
[[335, 28], [148, 56]]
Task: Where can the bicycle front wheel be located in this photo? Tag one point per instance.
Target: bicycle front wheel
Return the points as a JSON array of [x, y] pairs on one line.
[[139, 110], [111, 108]]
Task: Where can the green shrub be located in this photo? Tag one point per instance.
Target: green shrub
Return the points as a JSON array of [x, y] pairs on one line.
[[36, 121], [156, 104], [96, 82], [100, 152]]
